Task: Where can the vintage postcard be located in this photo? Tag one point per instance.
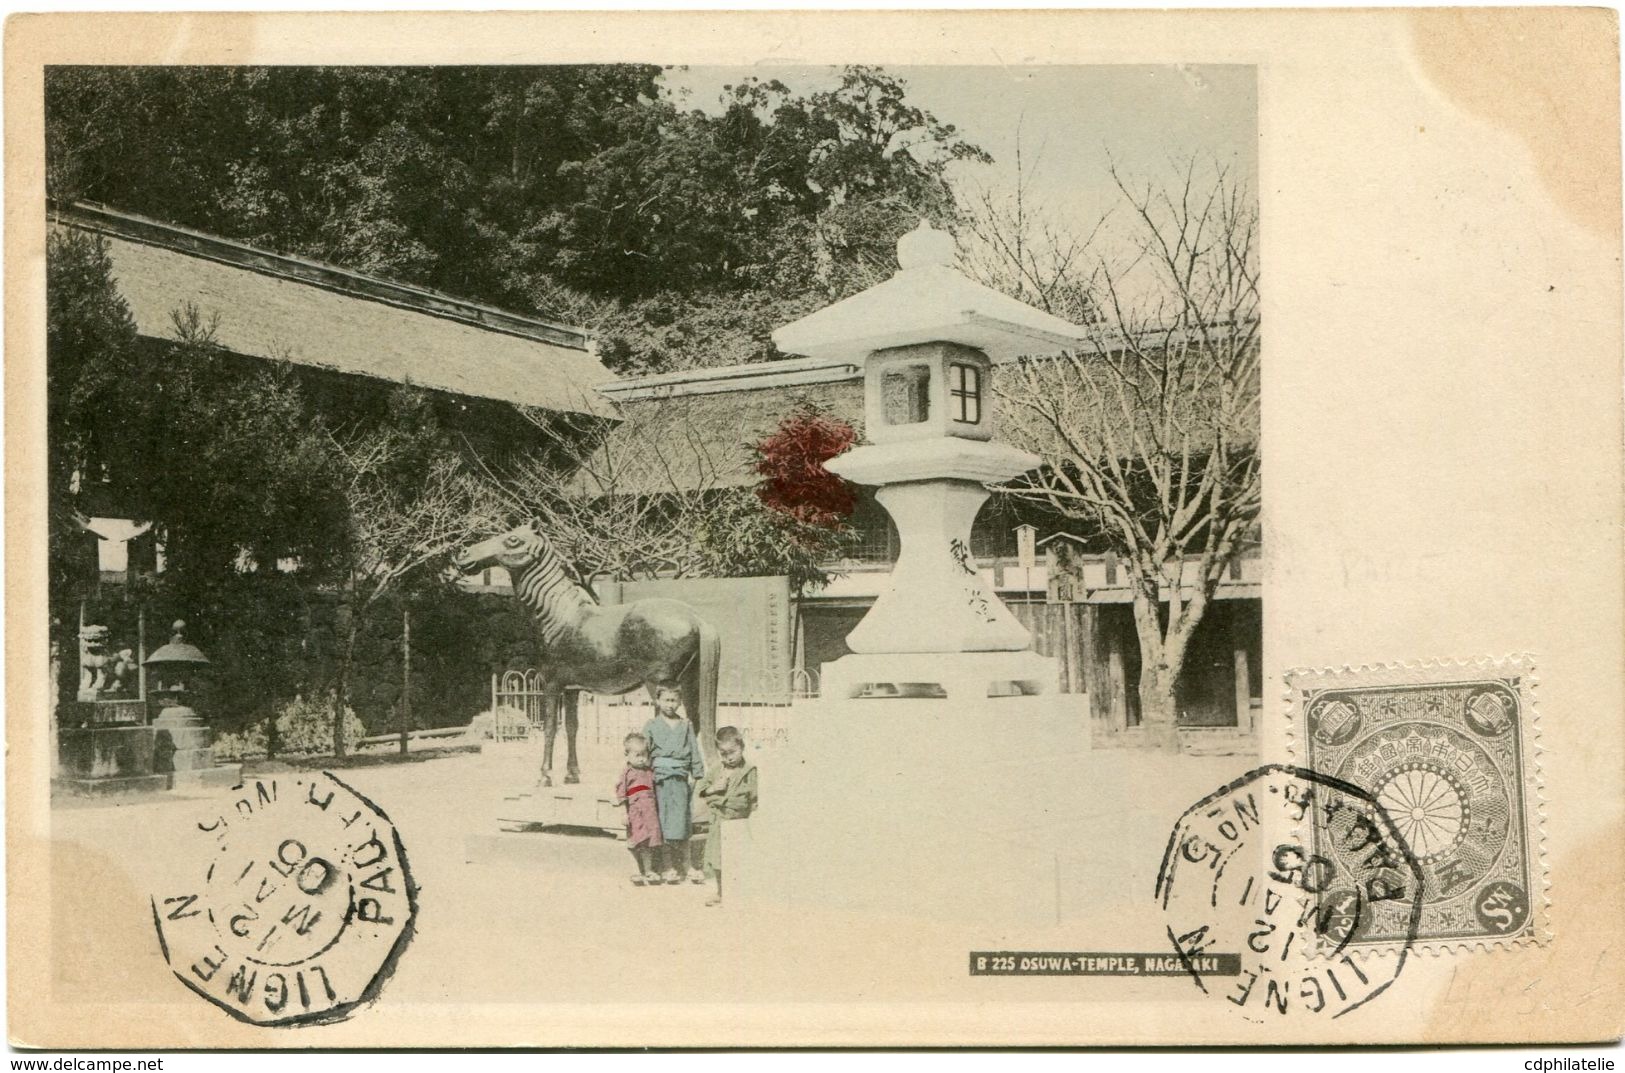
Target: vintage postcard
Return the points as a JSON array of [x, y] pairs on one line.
[[814, 528]]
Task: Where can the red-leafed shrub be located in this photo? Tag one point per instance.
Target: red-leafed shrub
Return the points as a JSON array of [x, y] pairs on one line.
[[791, 462]]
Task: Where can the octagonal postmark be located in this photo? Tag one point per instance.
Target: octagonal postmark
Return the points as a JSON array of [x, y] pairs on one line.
[[294, 905], [1289, 867]]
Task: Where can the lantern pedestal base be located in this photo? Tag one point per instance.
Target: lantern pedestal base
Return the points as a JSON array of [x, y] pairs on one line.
[[936, 599], [183, 743], [178, 716], [98, 761], [919, 808], [967, 676]]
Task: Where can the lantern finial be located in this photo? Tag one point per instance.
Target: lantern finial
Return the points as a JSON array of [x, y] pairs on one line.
[[926, 247], [179, 650]]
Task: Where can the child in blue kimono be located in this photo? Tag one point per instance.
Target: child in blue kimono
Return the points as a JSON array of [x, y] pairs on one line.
[[675, 753]]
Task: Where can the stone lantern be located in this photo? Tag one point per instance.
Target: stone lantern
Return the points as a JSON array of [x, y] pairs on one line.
[[182, 742], [908, 803], [928, 339], [172, 667], [174, 750]]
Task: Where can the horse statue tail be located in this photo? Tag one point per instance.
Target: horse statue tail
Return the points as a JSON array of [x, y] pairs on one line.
[[707, 671]]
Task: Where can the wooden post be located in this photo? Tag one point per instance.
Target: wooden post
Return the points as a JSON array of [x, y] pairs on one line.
[[56, 708], [1244, 693], [406, 678], [1094, 679], [141, 650], [1114, 675], [79, 652], [1069, 652]]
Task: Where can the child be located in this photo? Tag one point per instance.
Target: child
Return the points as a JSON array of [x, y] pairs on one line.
[[636, 791], [677, 763], [731, 793]]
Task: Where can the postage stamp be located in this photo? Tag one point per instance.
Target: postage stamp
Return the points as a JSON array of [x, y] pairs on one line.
[[295, 906], [1447, 750], [1288, 867]]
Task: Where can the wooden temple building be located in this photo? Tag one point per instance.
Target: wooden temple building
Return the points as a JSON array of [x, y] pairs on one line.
[[353, 337], [350, 339]]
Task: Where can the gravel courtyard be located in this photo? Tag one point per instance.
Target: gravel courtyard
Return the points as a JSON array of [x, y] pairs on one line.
[[548, 917]]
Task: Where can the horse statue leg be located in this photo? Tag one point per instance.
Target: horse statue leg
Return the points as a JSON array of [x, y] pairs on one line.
[[550, 730], [572, 721], [699, 689]]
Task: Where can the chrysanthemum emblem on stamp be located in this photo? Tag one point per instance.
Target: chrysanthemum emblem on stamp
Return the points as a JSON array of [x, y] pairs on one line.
[[295, 906], [1447, 751]]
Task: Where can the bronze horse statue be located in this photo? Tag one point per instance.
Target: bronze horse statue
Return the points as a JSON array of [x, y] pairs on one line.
[[651, 643]]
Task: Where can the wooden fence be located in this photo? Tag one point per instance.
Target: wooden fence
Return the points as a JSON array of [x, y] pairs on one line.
[[1062, 631]]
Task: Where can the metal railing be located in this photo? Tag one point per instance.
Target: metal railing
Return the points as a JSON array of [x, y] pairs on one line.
[[760, 706]]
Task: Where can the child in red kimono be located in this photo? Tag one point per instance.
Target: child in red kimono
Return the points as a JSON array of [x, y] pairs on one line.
[[636, 791]]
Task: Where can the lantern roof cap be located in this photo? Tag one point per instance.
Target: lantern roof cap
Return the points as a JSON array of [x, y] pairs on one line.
[[925, 247], [178, 650], [928, 300]]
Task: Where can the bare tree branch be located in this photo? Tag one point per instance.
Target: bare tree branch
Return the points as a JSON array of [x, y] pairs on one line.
[[1149, 434]]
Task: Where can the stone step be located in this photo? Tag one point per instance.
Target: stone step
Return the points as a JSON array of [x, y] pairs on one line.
[[224, 776], [564, 806], [205, 778], [109, 786]]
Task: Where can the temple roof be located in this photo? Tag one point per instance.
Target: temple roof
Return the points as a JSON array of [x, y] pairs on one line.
[[702, 438], [928, 300], [287, 308]]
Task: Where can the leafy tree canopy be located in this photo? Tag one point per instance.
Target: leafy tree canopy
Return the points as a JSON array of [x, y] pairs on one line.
[[584, 193], [791, 463]]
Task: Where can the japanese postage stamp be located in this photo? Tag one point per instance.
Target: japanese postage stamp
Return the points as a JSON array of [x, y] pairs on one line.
[[297, 906], [1447, 750]]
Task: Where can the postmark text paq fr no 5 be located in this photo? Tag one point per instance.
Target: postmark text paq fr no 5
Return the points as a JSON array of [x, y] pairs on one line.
[[1242, 872], [295, 905]]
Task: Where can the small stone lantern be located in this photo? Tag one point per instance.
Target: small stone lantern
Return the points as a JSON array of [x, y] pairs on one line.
[[175, 750], [173, 666]]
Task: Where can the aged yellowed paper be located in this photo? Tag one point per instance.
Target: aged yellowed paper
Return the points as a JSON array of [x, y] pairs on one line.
[[1357, 477]]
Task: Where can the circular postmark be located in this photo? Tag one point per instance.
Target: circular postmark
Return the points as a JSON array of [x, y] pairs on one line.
[[1296, 871], [295, 905]]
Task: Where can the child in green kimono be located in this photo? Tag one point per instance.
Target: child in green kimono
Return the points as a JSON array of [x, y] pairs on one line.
[[730, 791]]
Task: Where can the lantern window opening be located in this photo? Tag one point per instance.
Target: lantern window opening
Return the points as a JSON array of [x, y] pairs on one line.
[[965, 389], [905, 394]]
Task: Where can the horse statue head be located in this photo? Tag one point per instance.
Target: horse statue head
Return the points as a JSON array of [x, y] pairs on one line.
[[520, 547]]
